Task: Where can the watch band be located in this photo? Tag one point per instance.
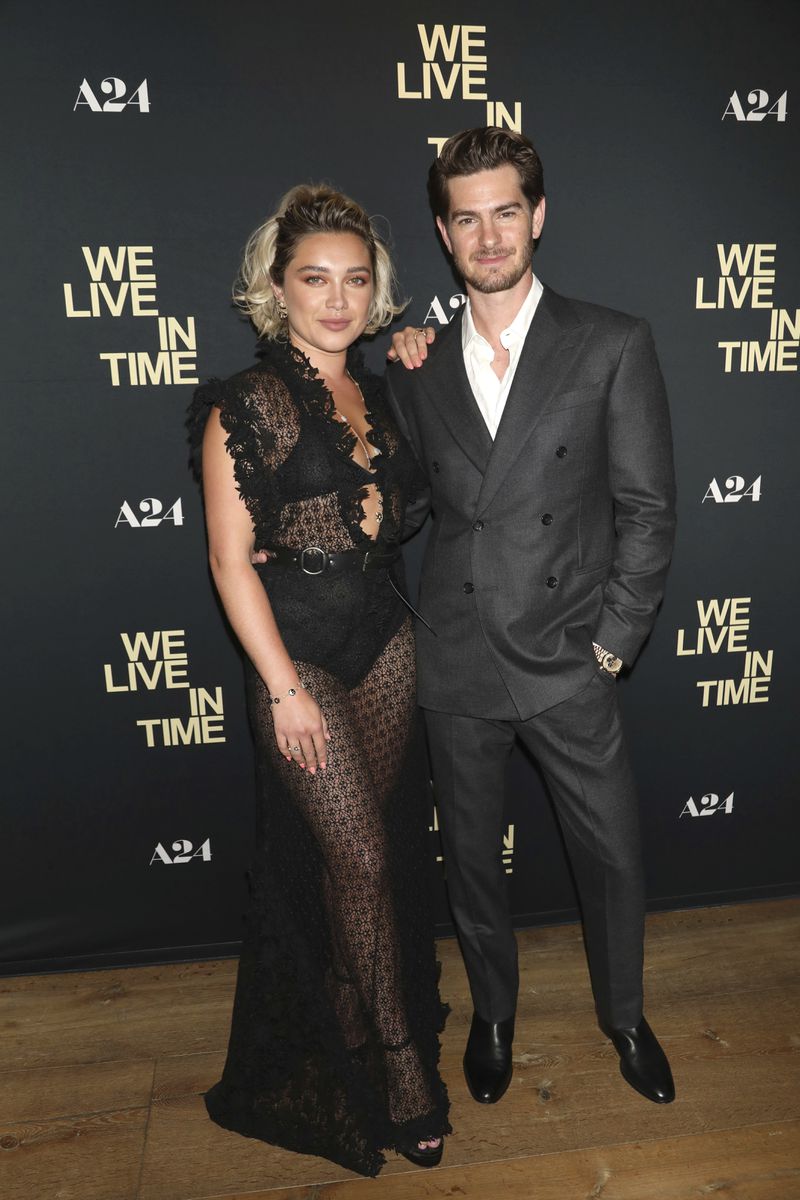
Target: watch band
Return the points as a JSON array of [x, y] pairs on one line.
[[608, 661]]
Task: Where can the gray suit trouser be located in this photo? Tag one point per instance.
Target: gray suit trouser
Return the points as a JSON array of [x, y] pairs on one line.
[[580, 748]]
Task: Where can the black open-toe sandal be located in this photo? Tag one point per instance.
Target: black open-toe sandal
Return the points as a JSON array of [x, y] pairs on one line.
[[431, 1156]]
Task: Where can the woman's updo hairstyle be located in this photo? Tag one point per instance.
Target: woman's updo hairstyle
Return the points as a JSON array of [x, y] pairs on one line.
[[305, 210]]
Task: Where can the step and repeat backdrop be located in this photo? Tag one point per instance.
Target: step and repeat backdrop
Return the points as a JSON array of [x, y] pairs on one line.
[[145, 142]]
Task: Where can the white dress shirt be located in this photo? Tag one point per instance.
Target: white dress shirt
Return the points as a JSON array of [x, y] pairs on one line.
[[490, 392]]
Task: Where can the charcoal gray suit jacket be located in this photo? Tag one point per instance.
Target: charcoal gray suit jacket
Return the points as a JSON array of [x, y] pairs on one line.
[[557, 534]]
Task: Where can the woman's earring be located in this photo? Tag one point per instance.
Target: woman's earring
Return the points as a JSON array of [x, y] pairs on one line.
[[282, 310]]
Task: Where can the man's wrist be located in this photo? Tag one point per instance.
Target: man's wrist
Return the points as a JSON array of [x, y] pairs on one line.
[[607, 660]]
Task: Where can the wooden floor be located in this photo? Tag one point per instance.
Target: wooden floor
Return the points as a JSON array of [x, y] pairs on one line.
[[102, 1074]]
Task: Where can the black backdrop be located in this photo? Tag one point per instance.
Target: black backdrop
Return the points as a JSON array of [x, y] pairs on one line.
[[165, 133]]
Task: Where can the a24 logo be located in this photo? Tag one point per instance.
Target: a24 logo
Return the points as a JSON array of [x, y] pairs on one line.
[[153, 514], [735, 490], [709, 804], [184, 852], [759, 99], [115, 90]]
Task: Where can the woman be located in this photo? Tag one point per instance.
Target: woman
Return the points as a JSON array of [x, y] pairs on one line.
[[334, 1040]]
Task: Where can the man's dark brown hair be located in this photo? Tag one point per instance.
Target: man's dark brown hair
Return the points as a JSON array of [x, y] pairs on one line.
[[483, 149]]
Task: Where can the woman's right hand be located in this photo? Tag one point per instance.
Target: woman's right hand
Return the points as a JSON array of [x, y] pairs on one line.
[[301, 731]]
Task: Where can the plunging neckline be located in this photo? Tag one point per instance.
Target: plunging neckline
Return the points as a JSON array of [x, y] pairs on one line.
[[348, 445], [342, 437], [364, 442]]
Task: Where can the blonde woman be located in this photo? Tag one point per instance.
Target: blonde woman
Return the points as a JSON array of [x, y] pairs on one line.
[[334, 1040]]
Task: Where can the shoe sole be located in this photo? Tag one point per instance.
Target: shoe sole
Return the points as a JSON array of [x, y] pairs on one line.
[[423, 1160]]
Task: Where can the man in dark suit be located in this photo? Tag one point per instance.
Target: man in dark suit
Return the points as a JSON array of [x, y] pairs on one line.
[[542, 426]]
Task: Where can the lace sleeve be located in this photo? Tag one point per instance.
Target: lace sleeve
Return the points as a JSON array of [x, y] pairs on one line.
[[206, 397], [260, 418]]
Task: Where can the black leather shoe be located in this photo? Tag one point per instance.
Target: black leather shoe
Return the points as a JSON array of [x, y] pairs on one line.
[[431, 1156], [643, 1063], [487, 1061]]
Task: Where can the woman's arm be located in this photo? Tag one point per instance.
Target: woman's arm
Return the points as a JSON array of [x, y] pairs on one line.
[[298, 720]]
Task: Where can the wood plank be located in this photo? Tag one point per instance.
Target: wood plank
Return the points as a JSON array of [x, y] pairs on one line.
[[723, 988], [556, 1107], [77, 1158], [565, 1095], [755, 914], [758, 1163], [724, 950], [185, 1075], [46, 1092], [735, 949], [136, 1012], [697, 1027], [213, 1159], [149, 1011]]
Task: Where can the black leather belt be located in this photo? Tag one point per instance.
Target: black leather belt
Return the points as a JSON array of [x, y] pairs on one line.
[[313, 560]]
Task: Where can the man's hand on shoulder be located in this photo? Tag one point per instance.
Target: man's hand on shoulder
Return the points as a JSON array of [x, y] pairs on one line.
[[410, 346]]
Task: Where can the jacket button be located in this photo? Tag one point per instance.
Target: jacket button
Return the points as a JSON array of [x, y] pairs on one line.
[[477, 526], [561, 452], [435, 466], [468, 587], [552, 581], [547, 518]]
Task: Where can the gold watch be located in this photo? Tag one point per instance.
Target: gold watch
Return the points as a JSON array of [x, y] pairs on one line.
[[608, 661]]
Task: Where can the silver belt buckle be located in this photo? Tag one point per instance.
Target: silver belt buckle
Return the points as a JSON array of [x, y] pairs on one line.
[[313, 550]]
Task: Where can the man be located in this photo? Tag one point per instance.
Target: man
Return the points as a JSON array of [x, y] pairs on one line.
[[542, 426]]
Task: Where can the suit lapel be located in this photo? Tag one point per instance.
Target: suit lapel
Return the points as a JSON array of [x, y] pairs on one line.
[[446, 386], [553, 341]]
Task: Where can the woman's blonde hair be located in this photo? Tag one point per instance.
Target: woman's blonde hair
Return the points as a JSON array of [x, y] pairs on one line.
[[305, 210]]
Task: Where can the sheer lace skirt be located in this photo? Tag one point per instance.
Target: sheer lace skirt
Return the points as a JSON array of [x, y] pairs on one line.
[[334, 1040]]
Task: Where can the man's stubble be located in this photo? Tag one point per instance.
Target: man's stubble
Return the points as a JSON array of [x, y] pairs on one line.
[[498, 280]]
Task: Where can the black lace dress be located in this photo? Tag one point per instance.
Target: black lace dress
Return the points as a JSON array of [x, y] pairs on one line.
[[334, 1040]]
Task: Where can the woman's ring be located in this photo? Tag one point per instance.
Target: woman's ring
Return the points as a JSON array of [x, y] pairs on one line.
[[295, 749]]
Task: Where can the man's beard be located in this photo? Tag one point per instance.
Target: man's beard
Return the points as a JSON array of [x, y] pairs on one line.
[[499, 280]]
